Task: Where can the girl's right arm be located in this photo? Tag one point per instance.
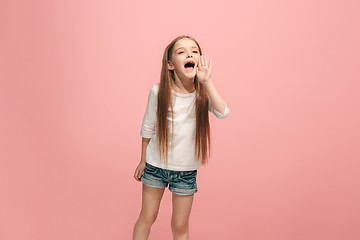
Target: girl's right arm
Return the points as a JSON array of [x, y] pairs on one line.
[[147, 129], [140, 168]]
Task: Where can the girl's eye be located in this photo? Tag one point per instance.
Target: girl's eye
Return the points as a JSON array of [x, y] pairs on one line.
[[183, 52]]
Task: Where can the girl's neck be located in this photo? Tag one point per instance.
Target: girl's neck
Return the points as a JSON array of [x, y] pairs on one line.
[[183, 87]]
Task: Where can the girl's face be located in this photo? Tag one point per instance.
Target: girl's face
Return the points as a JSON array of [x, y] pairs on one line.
[[184, 58]]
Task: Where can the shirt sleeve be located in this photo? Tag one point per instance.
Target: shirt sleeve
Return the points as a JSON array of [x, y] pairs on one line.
[[216, 113], [149, 120]]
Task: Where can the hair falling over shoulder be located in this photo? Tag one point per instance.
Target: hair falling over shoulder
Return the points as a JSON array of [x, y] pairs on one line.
[[202, 135]]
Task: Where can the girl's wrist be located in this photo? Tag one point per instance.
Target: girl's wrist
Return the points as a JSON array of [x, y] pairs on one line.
[[207, 83]]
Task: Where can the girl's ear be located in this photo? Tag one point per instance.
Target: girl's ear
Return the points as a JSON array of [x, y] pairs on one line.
[[170, 66]]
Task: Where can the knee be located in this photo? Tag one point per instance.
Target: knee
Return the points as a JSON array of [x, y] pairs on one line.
[[179, 226], [148, 219]]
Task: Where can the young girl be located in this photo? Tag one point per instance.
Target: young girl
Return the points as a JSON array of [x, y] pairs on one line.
[[176, 134]]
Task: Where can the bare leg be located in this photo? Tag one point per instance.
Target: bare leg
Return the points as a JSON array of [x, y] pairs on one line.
[[180, 216], [151, 198]]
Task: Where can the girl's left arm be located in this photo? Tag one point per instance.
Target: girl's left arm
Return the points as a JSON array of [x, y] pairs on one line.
[[216, 100], [203, 73]]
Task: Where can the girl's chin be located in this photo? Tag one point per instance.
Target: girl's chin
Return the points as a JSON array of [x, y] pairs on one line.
[[190, 78], [187, 75], [190, 74]]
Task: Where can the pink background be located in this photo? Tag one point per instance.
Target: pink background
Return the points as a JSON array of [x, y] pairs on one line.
[[74, 82]]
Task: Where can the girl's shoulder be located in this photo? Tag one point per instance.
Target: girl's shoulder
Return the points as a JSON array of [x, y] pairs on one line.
[[155, 88], [154, 91]]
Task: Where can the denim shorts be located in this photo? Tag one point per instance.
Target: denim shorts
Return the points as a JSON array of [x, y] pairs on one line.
[[180, 182]]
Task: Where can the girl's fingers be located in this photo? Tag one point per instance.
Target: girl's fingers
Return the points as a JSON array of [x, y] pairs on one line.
[[209, 63], [140, 174], [137, 175], [204, 62]]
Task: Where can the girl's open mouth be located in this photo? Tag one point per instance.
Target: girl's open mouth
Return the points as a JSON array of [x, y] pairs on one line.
[[189, 66]]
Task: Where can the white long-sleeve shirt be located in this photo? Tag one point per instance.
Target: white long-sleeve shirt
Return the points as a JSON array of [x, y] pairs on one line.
[[181, 150]]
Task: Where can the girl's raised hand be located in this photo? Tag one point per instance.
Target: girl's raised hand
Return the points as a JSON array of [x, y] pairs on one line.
[[203, 70]]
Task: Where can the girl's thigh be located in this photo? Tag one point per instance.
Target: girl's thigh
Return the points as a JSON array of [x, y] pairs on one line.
[[181, 207], [151, 198]]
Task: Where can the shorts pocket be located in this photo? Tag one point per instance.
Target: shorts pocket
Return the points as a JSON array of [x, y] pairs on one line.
[[188, 176], [151, 169]]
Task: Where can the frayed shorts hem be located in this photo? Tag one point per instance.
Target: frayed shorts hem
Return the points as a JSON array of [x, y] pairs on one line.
[[177, 191], [151, 183]]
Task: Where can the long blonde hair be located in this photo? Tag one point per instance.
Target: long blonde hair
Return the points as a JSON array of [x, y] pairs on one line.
[[165, 101]]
